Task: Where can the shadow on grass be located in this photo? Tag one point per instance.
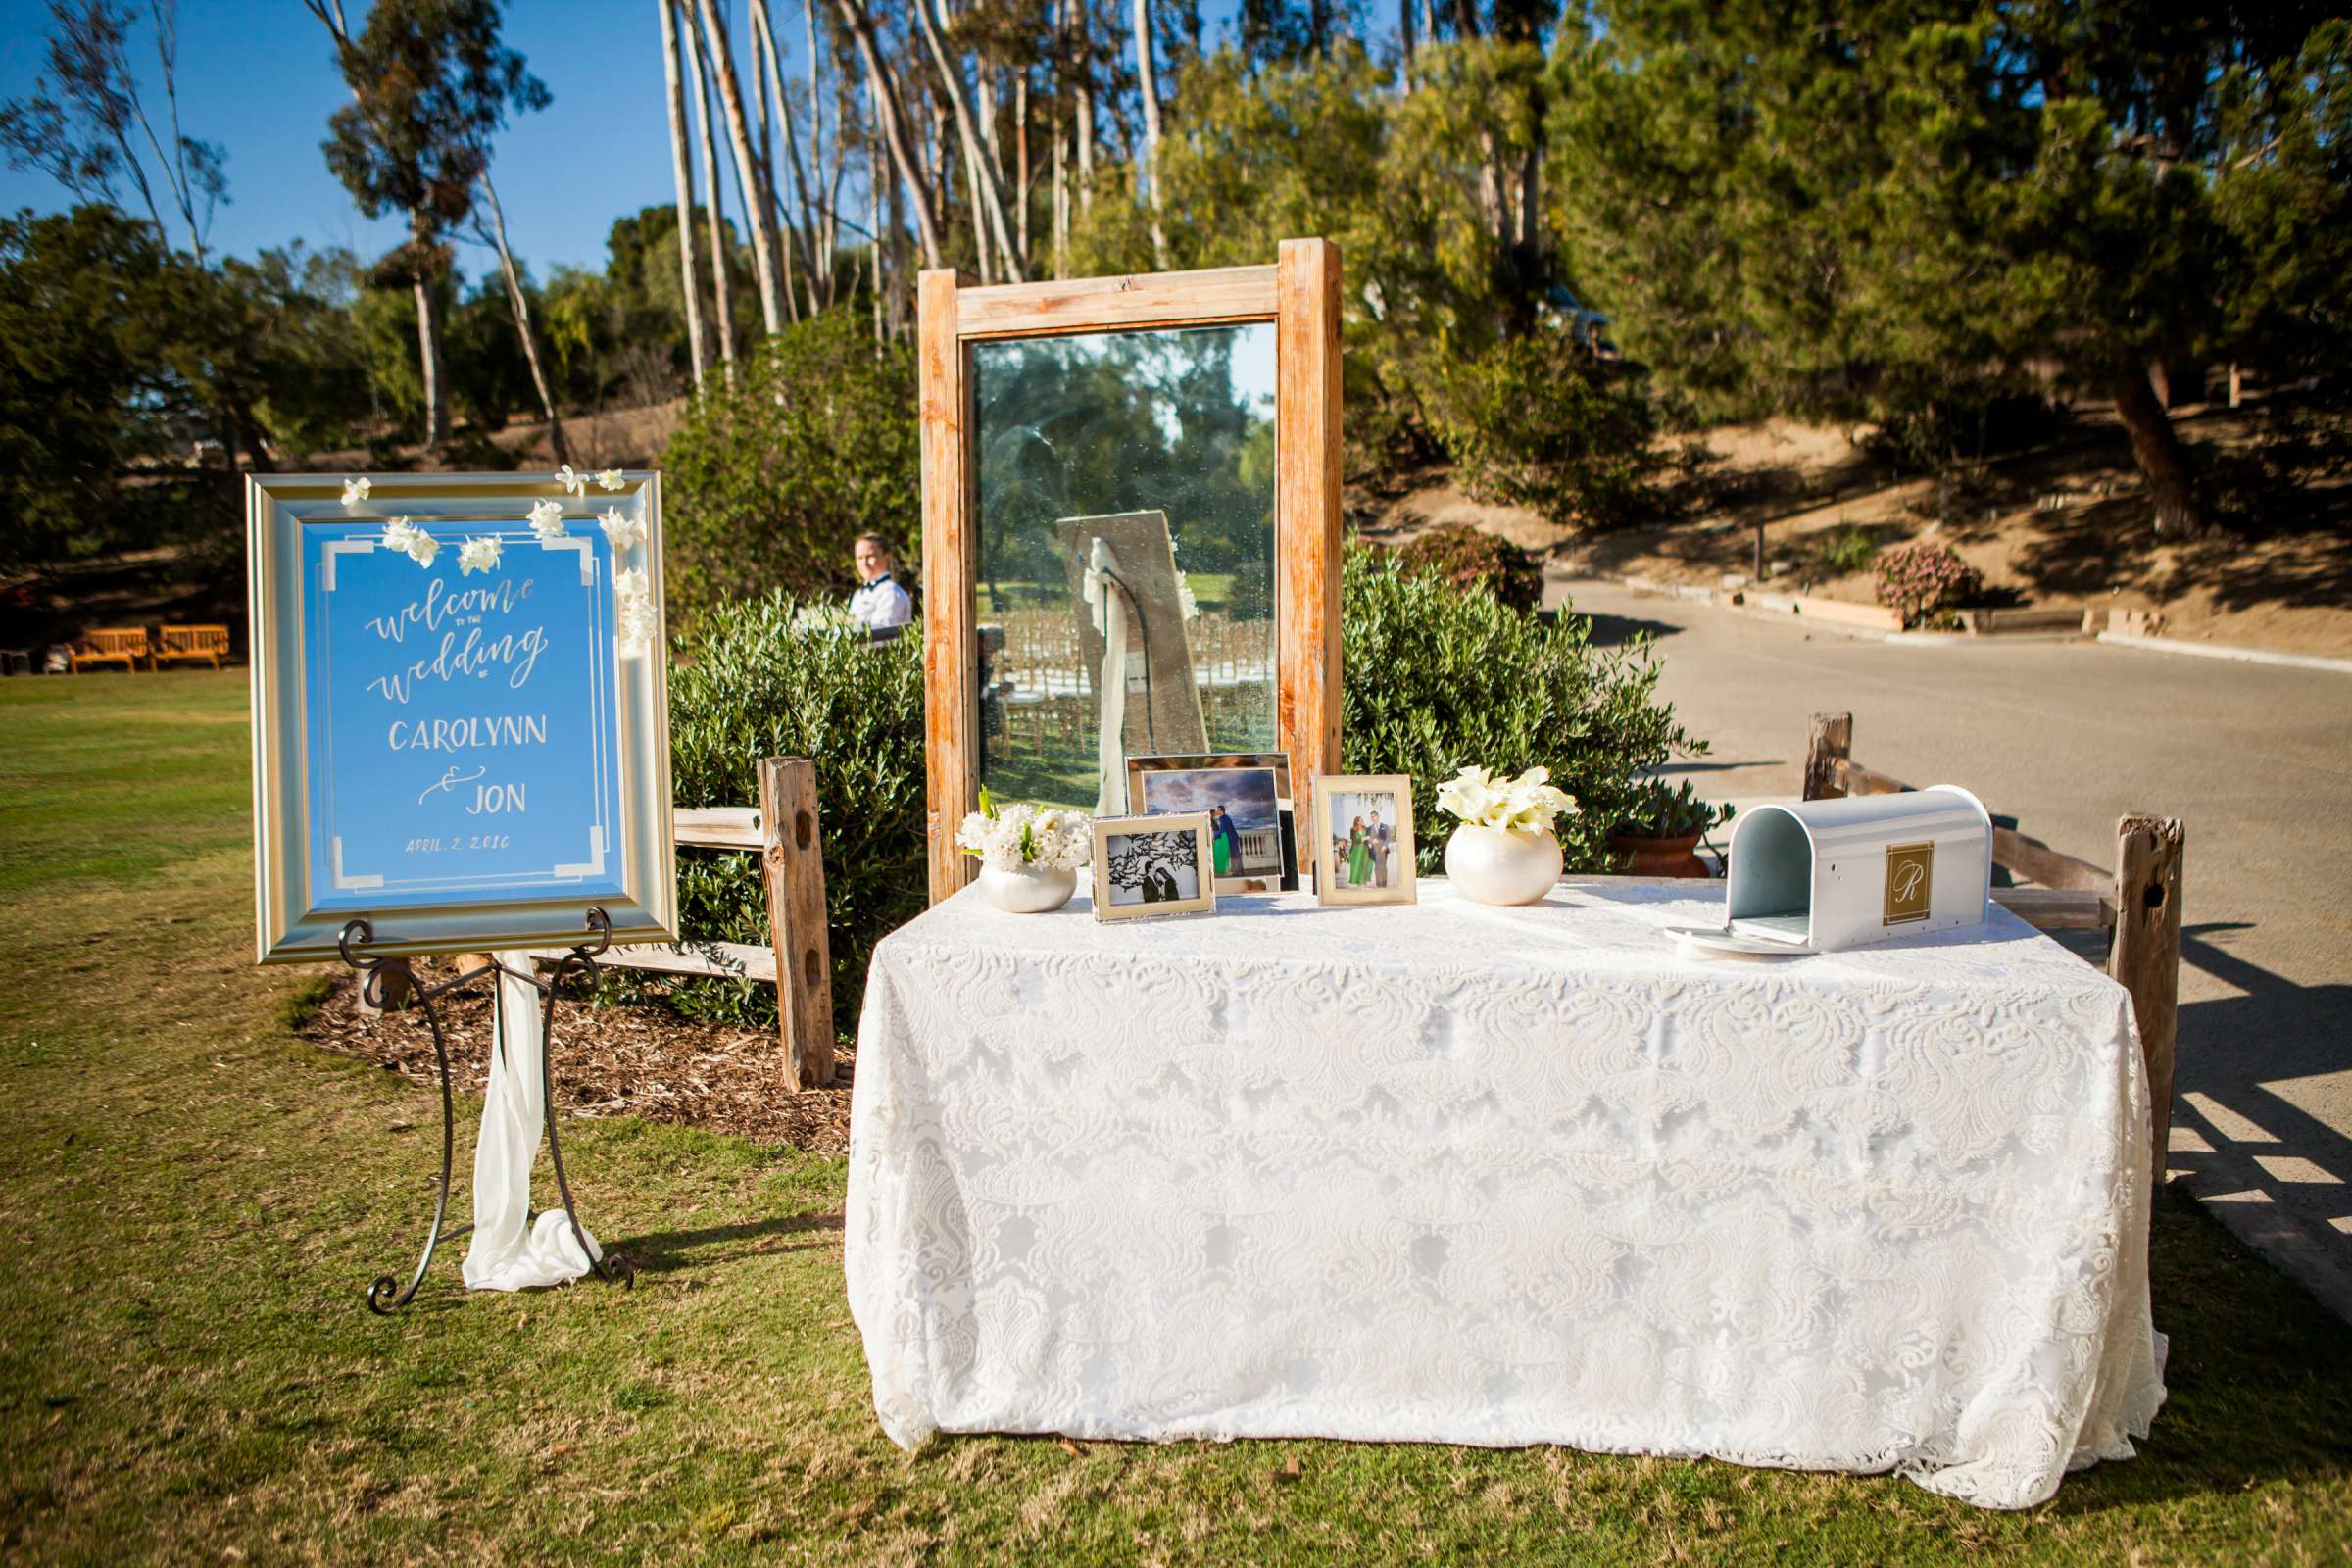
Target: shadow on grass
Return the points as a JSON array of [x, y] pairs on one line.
[[2258, 1377], [672, 1251]]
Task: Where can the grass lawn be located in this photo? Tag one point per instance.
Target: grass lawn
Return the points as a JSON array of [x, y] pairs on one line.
[[196, 1201]]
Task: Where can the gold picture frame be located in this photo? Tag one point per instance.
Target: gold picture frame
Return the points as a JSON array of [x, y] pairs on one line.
[[1361, 855], [1133, 881], [315, 540]]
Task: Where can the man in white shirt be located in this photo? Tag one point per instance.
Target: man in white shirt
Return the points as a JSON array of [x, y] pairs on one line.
[[881, 603]]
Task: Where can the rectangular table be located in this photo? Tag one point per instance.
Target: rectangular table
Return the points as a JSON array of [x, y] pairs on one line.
[[1476, 1175]]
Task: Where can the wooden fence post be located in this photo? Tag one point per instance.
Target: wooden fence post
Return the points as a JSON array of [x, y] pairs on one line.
[[2145, 958], [1828, 740], [792, 859]]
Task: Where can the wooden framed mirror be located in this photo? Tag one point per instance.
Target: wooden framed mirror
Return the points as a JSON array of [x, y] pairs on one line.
[[1131, 529]]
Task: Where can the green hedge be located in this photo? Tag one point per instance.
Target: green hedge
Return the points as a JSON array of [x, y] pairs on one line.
[[1437, 677], [758, 687]]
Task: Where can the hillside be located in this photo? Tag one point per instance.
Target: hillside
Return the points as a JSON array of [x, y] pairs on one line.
[[2063, 524]]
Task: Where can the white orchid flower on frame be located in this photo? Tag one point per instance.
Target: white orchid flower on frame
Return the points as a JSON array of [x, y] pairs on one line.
[[411, 541], [479, 555], [574, 482], [355, 490], [611, 479], [622, 530], [632, 609], [547, 519]]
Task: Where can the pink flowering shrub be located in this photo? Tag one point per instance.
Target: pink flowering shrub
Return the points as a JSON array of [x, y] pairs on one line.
[[1925, 580]]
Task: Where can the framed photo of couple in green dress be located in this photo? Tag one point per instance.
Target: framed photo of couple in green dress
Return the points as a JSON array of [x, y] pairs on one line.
[[1361, 835]]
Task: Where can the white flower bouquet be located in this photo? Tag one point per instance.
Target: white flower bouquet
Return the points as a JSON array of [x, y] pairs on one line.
[[1022, 837], [1528, 803]]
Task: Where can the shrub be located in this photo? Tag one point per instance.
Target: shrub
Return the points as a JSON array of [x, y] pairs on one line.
[[1469, 559], [1437, 679], [1849, 550], [772, 481], [1538, 423], [1658, 810], [1923, 581], [760, 687]]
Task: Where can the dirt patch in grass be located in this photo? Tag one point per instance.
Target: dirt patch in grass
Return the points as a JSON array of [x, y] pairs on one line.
[[614, 1060]]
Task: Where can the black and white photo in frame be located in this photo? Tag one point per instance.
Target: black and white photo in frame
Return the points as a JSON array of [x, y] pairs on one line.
[[1145, 866]]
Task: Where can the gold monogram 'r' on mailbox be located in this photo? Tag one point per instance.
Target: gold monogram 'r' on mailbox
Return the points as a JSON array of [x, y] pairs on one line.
[[1838, 873]]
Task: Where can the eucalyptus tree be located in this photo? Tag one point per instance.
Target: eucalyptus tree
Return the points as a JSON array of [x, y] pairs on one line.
[[85, 121], [430, 83]]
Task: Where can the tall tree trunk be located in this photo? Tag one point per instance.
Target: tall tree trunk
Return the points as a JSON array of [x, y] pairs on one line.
[[772, 206], [723, 297], [1148, 82], [1062, 128], [2156, 448], [873, 206], [823, 242], [992, 187], [801, 236], [1404, 31], [984, 257], [1020, 157], [893, 119], [721, 55], [1086, 134], [681, 171], [521, 306], [428, 333]]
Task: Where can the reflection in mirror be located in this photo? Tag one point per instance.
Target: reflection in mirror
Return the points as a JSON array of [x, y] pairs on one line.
[[1126, 555]]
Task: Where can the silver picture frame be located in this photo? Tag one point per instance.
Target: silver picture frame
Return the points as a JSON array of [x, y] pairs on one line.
[[297, 919]]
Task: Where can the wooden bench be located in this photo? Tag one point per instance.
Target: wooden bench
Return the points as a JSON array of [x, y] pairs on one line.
[[2137, 904], [112, 645], [782, 830], [191, 645]]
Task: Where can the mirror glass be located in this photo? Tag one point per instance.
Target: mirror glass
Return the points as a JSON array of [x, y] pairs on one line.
[[1125, 506]]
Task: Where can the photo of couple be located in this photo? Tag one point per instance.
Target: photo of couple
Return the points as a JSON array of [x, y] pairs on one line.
[[1153, 866], [1367, 849], [1365, 852]]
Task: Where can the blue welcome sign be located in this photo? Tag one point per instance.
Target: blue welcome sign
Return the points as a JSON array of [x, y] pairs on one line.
[[459, 712]]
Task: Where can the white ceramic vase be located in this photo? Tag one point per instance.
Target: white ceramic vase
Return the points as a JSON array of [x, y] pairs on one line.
[[1500, 865], [1028, 889]]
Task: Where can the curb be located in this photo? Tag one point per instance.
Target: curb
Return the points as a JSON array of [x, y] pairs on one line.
[[1786, 609], [2249, 656]]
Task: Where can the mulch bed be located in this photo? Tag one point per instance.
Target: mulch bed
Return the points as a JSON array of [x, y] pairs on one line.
[[616, 1060]]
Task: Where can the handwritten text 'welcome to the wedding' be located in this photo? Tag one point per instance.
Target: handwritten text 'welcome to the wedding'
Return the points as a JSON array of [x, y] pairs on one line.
[[450, 621]]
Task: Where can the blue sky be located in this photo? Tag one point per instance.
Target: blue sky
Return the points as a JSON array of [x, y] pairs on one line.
[[258, 78]]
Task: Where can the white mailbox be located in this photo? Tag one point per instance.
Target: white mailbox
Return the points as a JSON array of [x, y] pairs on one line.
[[1822, 876]]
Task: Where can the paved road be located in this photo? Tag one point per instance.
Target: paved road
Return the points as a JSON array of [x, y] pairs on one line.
[[2064, 737]]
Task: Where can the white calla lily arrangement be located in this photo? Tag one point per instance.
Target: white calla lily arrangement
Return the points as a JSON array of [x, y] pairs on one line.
[[1528, 803]]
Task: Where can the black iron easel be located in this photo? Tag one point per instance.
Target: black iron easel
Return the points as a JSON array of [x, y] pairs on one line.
[[385, 1295]]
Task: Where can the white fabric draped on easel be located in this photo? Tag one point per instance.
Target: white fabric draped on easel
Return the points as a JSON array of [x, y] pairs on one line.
[[1101, 587], [510, 1251]]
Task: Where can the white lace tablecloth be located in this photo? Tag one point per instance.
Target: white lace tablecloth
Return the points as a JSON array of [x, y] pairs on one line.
[[1474, 1175]]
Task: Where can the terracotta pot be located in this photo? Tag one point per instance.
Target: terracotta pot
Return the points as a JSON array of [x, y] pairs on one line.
[[1640, 854]]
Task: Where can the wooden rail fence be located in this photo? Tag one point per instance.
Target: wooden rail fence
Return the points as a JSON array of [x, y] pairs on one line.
[[783, 831]]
